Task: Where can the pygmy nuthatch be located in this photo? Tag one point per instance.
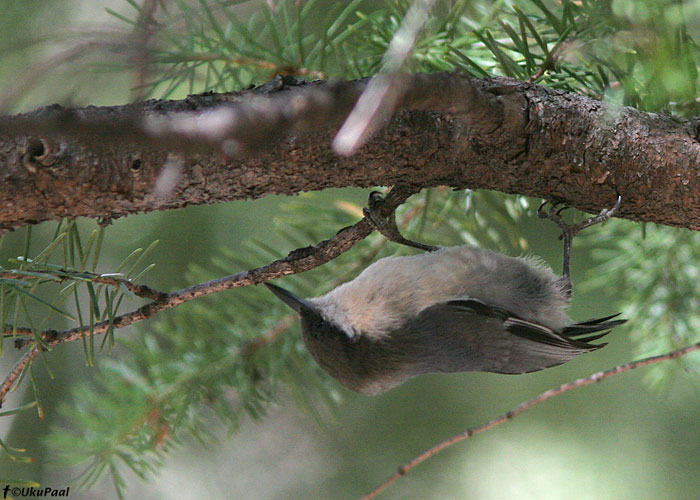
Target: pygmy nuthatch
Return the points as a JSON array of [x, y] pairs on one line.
[[456, 309]]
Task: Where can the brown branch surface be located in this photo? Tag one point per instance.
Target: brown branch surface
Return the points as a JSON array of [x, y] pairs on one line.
[[497, 133], [472, 431]]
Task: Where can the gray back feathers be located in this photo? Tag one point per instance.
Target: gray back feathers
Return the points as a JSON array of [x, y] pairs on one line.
[[395, 288]]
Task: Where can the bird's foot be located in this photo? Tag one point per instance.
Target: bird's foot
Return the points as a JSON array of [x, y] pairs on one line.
[[386, 223], [554, 214], [568, 231]]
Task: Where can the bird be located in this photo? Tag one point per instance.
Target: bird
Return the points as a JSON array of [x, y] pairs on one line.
[[450, 309]]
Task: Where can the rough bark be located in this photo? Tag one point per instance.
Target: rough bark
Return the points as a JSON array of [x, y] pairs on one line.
[[449, 129]]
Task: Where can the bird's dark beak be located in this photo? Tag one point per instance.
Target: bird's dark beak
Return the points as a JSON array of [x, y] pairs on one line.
[[298, 304]]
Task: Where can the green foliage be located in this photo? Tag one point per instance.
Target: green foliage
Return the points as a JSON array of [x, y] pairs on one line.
[[15, 454], [43, 290], [636, 53], [228, 357], [223, 46], [657, 273]]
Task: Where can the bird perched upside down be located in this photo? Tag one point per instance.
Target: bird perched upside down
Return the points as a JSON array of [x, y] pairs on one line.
[[455, 309]]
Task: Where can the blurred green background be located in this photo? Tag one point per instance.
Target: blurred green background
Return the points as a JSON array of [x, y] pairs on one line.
[[615, 440]]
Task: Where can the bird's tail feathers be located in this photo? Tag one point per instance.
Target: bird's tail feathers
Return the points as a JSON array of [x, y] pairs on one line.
[[592, 326]]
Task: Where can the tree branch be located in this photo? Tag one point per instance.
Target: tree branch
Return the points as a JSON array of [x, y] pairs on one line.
[[496, 133], [302, 259], [592, 379]]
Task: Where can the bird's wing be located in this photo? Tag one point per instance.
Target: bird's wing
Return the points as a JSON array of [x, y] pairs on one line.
[[469, 335]]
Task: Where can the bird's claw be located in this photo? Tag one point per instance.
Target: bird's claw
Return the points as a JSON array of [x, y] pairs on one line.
[[386, 223], [554, 214], [603, 216]]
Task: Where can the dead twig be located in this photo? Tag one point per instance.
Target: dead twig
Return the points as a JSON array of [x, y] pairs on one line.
[[302, 259], [592, 379]]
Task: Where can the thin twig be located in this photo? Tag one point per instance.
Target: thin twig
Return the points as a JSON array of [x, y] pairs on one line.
[[16, 371], [143, 291], [592, 379], [11, 331], [299, 260]]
